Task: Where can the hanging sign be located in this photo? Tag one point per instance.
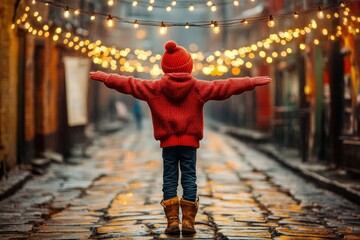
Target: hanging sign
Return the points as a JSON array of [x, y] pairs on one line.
[[76, 80]]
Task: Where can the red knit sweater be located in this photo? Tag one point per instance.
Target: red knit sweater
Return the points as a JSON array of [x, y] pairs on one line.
[[176, 102]]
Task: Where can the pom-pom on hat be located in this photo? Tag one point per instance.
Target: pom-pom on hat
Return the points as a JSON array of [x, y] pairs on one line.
[[176, 59]]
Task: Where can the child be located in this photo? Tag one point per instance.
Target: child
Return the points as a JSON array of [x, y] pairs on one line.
[[176, 102]]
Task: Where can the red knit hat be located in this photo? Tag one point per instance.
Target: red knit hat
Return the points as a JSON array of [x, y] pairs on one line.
[[176, 59]]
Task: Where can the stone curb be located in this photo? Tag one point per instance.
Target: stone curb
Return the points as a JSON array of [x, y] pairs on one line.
[[15, 180], [257, 143], [321, 181]]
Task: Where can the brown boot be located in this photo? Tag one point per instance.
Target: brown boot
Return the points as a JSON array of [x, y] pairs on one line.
[[171, 208], [189, 210]]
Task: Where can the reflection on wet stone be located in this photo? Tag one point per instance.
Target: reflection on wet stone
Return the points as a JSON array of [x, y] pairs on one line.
[[116, 194]]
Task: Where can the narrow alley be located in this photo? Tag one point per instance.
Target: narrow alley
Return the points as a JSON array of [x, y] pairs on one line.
[[115, 194]]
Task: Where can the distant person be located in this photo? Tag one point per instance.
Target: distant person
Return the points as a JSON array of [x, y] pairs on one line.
[[137, 114], [176, 102]]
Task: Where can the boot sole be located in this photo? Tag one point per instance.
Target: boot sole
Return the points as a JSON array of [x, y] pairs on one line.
[[188, 232], [173, 233]]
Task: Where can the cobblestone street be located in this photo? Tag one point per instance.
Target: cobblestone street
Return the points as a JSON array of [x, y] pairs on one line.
[[116, 194]]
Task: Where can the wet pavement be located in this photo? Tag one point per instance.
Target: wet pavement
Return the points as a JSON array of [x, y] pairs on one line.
[[115, 194]]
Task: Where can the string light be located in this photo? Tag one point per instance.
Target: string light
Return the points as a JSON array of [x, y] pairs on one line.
[[103, 52], [33, 2], [77, 12], [173, 3], [244, 21], [168, 8], [134, 3], [224, 23], [66, 12], [191, 7], [320, 13], [313, 24], [187, 26], [216, 27], [236, 3], [209, 3], [110, 21], [163, 28], [302, 46], [271, 22], [213, 8], [296, 15], [110, 3], [92, 18]]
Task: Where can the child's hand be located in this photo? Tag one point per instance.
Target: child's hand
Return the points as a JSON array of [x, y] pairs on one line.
[[98, 76], [262, 80]]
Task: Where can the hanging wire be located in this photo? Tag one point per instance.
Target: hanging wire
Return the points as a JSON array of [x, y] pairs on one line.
[[201, 24]]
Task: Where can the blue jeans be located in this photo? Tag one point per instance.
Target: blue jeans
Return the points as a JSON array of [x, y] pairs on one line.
[[186, 156]]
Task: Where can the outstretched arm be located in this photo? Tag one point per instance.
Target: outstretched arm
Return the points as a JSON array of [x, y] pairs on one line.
[[223, 89], [141, 89]]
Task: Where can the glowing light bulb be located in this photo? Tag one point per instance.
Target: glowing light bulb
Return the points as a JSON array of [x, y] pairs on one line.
[[216, 28], [134, 4], [92, 18], [163, 28], [110, 21], [320, 13], [66, 13], [111, 3], [248, 65], [296, 15], [302, 46], [136, 24], [244, 21], [150, 7], [33, 2], [313, 24], [236, 3], [271, 22], [213, 8], [77, 12], [209, 3], [168, 8], [187, 26], [191, 7], [173, 3]]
